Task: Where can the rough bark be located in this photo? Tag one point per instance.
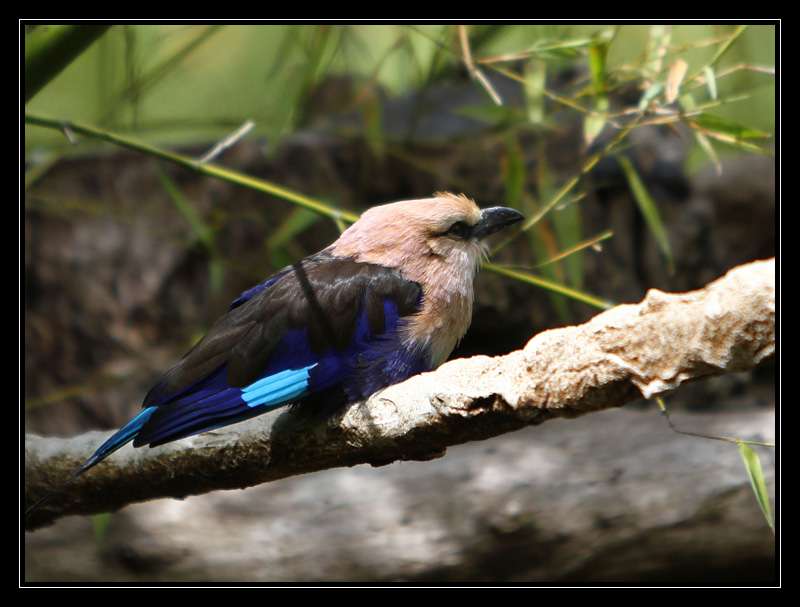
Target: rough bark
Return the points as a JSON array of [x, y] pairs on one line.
[[610, 497], [629, 351]]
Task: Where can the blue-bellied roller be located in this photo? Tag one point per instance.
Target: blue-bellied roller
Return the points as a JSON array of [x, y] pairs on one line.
[[389, 299]]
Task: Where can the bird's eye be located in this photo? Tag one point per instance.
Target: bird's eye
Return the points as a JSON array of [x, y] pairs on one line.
[[459, 230]]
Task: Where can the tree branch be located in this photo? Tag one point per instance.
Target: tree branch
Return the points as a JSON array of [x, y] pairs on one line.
[[622, 354], [613, 497]]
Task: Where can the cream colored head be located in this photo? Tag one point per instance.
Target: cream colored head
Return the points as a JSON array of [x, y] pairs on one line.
[[405, 234], [436, 242]]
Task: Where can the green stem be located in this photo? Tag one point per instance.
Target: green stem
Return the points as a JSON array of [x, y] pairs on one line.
[[51, 48], [549, 285], [210, 170]]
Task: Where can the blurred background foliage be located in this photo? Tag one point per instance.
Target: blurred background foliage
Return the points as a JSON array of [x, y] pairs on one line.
[[184, 84], [641, 155]]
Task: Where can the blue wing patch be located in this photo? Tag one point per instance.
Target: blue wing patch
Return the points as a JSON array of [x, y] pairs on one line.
[[278, 388]]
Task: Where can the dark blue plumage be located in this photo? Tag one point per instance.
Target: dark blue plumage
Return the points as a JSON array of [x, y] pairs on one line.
[[347, 346]]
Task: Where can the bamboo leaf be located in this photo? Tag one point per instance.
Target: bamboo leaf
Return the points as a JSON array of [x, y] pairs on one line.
[[546, 45], [718, 124], [593, 123], [657, 44], [202, 231], [140, 85], [567, 49], [298, 221], [100, 526], [677, 72], [568, 227], [711, 81], [737, 143], [651, 93], [648, 208], [592, 126], [513, 166], [535, 76], [752, 464], [729, 132], [372, 112], [495, 115], [51, 48], [687, 102], [708, 148], [597, 66], [726, 45]]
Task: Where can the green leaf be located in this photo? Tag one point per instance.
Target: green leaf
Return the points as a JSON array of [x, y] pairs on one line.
[[718, 124], [723, 48], [51, 48], [544, 240], [203, 233], [708, 148], [514, 173], [711, 81], [100, 526], [648, 207], [687, 102], [372, 112], [566, 47], [657, 44], [297, 222], [139, 85], [496, 115], [593, 123], [567, 223], [650, 94], [756, 475], [597, 66], [592, 126], [677, 72], [535, 75]]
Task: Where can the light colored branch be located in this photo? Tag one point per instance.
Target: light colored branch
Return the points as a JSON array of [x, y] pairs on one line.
[[622, 354], [609, 497]]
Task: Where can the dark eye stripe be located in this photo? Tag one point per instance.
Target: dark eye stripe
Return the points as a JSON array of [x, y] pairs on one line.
[[459, 230]]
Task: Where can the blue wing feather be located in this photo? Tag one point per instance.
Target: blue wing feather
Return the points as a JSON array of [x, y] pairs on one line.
[[372, 360]]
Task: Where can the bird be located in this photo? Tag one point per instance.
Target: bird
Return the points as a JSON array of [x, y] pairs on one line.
[[390, 298]]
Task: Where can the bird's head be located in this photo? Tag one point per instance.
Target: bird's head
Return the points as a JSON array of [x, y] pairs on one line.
[[420, 236]]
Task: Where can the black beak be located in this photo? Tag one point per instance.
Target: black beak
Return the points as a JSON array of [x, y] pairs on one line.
[[495, 219]]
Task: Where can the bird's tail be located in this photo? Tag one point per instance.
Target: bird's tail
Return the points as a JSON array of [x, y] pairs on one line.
[[125, 435]]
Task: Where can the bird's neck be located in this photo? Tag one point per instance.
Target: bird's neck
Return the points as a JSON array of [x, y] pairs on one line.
[[447, 291], [444, 319]]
